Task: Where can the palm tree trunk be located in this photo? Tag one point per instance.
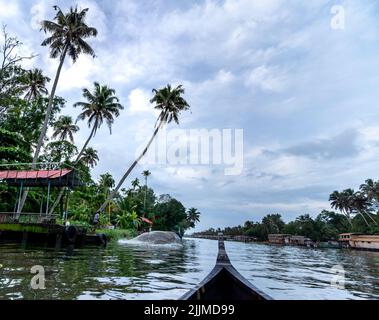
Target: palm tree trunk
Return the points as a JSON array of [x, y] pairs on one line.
[[144, 200], [86, 144], [364, 218], [75, 163], [45, 123], [369, 214], [114, 192]]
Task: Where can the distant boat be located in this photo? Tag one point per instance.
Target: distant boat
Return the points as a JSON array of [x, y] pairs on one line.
[[224, 282]]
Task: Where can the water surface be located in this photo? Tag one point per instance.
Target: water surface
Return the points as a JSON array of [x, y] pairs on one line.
[[124, 271]]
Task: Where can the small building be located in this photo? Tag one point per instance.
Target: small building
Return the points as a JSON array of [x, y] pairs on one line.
[[279, 238]]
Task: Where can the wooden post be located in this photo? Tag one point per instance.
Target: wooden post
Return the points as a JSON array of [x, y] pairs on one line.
[[58, 241], [48, 198]]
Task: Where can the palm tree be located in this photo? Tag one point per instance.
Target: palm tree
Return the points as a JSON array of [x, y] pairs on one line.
[[68, 33], [135, 184], [89, 157], [170, 103], [193, 216], [106, 182], [146, 174], [64, 128], [339, 200], [371, 190], [102, 104], [360, 204], [34, 84]]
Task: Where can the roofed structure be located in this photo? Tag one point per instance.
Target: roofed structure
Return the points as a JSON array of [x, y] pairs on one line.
[[41, 178]]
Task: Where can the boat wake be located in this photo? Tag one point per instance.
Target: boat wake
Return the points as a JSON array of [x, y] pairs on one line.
[[163, 239], [139, 243]]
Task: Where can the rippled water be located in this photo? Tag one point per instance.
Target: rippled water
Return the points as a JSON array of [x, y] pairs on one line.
[[124, 271]]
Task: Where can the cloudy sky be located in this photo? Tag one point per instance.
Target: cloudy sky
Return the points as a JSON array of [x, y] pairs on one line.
[[304, 92]]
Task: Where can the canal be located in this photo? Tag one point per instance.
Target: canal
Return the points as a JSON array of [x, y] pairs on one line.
[[125, 271]]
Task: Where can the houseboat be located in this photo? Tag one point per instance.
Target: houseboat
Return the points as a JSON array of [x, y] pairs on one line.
[[359, 241], [279, 238], [287, 239]]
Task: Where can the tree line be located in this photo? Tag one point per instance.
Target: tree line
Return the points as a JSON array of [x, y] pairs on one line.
[[358, 212]]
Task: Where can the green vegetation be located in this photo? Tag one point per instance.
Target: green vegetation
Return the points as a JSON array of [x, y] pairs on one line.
[[28, 109], [23, 228]]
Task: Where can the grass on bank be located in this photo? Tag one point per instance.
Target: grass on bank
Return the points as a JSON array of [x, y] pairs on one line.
[[116, 234], [112, 234]]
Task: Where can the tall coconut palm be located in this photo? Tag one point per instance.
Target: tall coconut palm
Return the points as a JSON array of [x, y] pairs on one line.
[[101, 104], [89, 157], [64, 128], [106, 183], [170, 103], [146, 174], [34, 84], [68, 33]]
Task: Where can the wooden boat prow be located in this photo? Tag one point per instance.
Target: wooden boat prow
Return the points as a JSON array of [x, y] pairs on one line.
[[224, 282]]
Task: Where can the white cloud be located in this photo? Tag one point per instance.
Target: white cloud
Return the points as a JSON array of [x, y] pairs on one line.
[[139, 101], [267, 79], [78, 75], [9, 9]]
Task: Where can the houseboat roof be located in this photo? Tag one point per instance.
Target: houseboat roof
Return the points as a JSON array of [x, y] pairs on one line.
[[366, 237], [40, 178]]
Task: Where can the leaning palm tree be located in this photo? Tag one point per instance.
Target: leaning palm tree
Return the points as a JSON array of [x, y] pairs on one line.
[[64, 128], [100, 105], [146, 174], [68, 33], [360, 204], [34, 84], [89, 157], [371, 190], [170, 103]]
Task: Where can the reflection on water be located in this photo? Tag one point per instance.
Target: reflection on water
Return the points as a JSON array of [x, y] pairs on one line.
[[123, 271]]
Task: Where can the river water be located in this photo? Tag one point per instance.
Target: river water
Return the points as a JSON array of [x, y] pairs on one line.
[[125, 271]]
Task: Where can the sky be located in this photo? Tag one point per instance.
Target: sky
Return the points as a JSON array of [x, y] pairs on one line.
[[300, 78]]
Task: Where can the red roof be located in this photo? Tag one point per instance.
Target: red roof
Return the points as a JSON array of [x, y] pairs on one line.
[[34, 174]]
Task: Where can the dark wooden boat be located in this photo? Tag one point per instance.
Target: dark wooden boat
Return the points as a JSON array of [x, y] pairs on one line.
[[224, 282]]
